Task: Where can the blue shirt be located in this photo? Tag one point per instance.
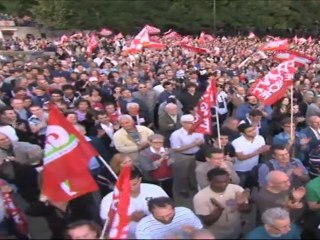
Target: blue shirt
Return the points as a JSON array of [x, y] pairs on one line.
[[261, 233], [93, 163], [283, 139]]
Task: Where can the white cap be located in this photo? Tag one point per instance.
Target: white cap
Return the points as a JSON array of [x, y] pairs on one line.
[[187, 118], [10, 132]]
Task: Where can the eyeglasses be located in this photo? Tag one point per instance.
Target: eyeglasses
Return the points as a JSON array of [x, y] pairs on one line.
[[280, 229]]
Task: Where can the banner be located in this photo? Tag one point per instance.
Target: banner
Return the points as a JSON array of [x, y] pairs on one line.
[[274, 85], [119, 219], [203, 122], [66, 173], [275, 45], [299, 59]]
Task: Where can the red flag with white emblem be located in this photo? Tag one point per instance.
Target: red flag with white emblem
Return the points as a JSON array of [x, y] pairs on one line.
[[66, 173], [275, 45]]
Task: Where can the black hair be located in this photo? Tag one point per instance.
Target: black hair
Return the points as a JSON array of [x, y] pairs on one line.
[[68, 87], [160, 202], [213, 150], [255, 113], [91, 224], [135, 173], [56, 91], [276, 147], [215, 172]]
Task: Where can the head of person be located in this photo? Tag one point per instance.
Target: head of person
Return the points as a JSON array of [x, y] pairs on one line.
[[255, 115], [187, 122], [83, 105], [247, 130], [110, 108], [231, 123], [191, 87], [287, 125], [156, 141], [135, 180], [308, 97], [133, 108], [171, 109], [167, 85], [142, 88], [162, 209], [281, 154], [314, 122], [276, 221], [56, 95], [68, 90], [36, 110], [71, 117], [224, 137], [252, 100], [80, 128], [278, 181], [120, 160], [125, 93], [8, 114], [126, 122], [103, 118], [17, 104], [83, 229], [241, 90], [215, 156], [218, 179]]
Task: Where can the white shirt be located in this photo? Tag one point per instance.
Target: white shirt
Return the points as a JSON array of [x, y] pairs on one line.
[[316, 132], [158, 89], [109, 131], [140, 203], [242, 145], [181, 137], [222, 104], [151, 228]]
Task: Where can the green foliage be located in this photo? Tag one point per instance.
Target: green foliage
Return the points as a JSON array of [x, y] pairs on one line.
[[187, 16]]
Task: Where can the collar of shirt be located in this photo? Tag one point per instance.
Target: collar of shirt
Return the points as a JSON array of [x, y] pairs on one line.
[[162, 150]]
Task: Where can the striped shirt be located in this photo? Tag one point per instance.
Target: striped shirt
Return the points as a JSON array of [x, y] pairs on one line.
[[151, 228]]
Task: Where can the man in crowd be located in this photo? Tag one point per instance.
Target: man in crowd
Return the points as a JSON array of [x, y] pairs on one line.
[[166, 220]]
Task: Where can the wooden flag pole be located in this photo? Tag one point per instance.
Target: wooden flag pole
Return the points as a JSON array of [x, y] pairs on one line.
[[291, 113], [108, 167], [218, 127]]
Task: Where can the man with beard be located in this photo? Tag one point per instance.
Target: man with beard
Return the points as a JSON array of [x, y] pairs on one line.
[[166, 220]]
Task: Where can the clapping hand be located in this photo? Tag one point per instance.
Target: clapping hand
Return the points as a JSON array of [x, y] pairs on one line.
[[242, 197], [298, 193]]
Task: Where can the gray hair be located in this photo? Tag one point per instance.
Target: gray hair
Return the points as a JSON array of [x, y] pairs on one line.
[[170, 106], [155, 136], [272, 214], [125, 117], [132, 104]]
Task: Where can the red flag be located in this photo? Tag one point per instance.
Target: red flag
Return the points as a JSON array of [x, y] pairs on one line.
[[92, 43], [155, 45], [14, 212], [251, 35], [274, 85], [299, 59], [118, 225], [275, 45], [67, 154], [202, 123], [105, 32], [152, 30], [194, 49], [171, 35], [138, 41]]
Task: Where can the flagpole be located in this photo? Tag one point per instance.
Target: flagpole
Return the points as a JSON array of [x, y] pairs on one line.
[[108, 167], [104, 228], [291, 113], [218, 127]]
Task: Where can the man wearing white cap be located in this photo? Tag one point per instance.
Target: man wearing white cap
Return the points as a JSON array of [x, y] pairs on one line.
[[185, 144]]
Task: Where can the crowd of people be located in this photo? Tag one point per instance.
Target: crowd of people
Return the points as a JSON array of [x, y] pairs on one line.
[[138, 110]]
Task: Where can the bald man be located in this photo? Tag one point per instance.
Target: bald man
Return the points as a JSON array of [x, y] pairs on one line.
[[277, 193]]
